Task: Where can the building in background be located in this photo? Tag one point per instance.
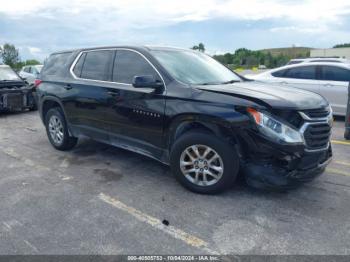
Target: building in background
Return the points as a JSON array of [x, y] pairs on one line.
[[331, 52]]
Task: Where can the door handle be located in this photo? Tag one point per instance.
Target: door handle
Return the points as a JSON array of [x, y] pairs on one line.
[[328, 85], [283, 82], [68, 87], [114, 94]]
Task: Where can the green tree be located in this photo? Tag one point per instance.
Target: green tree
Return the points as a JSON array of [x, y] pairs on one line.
[[10, 55], [200, 47], [342, 45], [32, 62]]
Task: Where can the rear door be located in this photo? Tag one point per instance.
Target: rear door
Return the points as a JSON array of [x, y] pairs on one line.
[[87, 98], [138, 113], [304, 77], [334, 87]]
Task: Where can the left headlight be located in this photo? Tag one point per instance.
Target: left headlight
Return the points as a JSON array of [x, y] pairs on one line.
[[275, 129]]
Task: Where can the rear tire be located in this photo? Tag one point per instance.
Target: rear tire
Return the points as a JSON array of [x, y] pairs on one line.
[[204, 163], [57, 130]]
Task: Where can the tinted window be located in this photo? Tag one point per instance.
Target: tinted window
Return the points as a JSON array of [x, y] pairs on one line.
[[79, 65], [305, 72], [57, 64], [97, 65], [279, 73], [335, 73], [128, 64]]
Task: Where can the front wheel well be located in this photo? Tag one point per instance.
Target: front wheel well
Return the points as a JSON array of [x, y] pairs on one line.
[[210, 128]]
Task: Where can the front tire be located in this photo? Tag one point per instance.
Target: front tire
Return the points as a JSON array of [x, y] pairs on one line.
[[203, 163], [347, 133], [57, 131]]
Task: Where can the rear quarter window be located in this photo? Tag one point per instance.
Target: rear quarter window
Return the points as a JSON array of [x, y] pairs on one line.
[[79, 65], [57, 64]]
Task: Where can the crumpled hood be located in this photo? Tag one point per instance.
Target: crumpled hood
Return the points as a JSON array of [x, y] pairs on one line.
[[274, 95]]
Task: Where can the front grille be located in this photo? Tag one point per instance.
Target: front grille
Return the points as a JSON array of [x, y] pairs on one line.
[[317, 113], [317, 135], [14, 100]]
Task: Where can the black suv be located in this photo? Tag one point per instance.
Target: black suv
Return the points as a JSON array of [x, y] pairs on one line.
[[186, 110]]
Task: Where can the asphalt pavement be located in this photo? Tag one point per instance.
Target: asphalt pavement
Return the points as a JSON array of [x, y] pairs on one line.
[[98, 199]]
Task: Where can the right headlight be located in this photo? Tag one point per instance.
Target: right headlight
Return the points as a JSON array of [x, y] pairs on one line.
[[274, 129]]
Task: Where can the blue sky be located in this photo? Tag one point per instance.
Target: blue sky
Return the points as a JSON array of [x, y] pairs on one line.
[[39, 27]]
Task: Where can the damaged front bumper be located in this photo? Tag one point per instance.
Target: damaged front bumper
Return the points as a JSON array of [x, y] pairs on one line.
[[277, 167], [19, 99]]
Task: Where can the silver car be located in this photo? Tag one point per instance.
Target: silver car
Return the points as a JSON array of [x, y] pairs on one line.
[[30, 73], [328, 79]]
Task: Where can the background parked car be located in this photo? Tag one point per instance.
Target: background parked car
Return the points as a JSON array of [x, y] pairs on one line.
[[328, 79], [15, 94], [318, 59], [30, 73]]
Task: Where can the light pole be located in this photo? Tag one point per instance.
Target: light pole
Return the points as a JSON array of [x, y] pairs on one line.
[[347, 117]]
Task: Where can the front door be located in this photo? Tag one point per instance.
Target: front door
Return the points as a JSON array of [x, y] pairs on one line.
[[137, 113]]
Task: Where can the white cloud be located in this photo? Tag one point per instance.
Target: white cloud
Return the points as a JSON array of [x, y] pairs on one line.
[[34, 50], [62, 24], [156, 12]]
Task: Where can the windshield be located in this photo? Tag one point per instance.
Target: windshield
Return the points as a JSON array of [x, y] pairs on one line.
[[6, 73], [194, 67]]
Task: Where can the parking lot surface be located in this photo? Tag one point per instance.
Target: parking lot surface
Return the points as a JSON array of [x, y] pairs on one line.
[[97, 199]]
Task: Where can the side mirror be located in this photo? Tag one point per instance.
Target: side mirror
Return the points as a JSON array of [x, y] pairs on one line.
[[147, 81]]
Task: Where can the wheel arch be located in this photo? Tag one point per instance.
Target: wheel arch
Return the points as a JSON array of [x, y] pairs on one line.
[[52, 102], [48, 103], [210, 124]]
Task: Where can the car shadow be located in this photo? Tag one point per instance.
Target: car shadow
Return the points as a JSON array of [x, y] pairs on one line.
[[88, 148], [13, 113]]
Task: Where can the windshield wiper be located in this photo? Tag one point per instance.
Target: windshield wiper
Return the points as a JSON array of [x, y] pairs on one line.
[[230, 82], [218, 83], [6, 80], [209, 83]]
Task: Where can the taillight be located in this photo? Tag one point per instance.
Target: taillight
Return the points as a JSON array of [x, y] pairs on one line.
[[37, 82]]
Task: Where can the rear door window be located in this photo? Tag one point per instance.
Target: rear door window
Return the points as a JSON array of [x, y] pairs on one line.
[[304, 72], [97, 65], [332, 73], [129, 64]]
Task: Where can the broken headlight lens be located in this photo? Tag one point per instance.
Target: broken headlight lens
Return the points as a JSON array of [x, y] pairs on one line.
[[275, 129]]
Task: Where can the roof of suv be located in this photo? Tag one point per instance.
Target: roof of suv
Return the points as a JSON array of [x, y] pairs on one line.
[[136, 47]]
